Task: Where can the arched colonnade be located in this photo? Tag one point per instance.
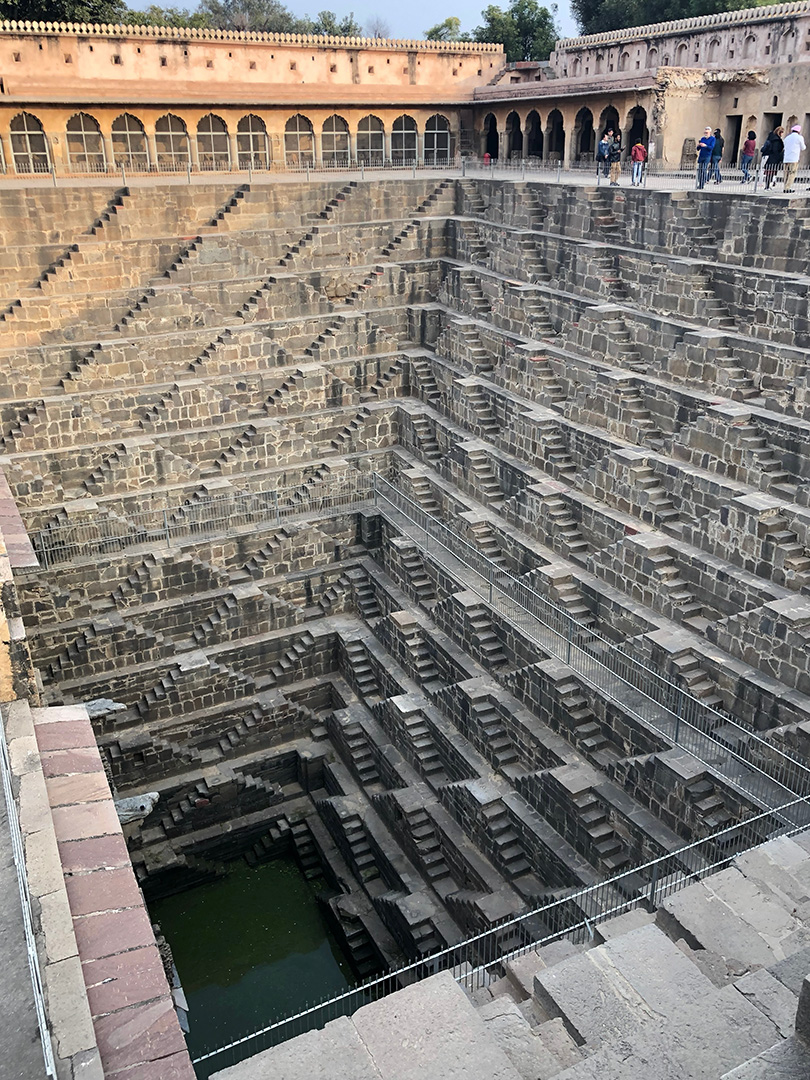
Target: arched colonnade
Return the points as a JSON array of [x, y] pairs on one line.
[[91, 140], [565, 133]]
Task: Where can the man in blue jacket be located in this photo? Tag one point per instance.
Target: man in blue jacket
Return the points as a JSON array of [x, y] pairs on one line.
[[704, 161]]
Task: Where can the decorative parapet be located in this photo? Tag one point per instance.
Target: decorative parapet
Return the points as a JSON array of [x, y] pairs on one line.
[[685, 26], [187, 33]]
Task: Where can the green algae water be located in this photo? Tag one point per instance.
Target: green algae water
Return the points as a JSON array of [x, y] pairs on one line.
[[249, 947]]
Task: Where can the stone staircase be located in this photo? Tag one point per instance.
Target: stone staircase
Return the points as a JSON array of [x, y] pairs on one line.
[[713, 986]]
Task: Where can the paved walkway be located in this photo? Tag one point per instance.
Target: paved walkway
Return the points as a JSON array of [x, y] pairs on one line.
[[670, 181], [20, 1047]]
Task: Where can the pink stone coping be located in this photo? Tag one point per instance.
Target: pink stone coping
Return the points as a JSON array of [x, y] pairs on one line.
[[136, 1026], [18, 546]]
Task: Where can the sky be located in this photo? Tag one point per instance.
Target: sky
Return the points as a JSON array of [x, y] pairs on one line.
[[409, 21]]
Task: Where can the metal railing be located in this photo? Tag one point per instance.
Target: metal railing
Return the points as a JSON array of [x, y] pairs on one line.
[[653, 175], [477, 959], [25, 903], [749, 763], [199, 517]]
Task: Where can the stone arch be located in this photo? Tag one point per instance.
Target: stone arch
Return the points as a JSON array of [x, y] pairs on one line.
[[599, 63], [29, 144], [213, 143], [714, 50], [490, 137], [172, 143], [404, 139], [371, 140], [514, 136], [335, 145], [749, 46], [438, 140], [682, 55], [534, 135], [624, 61], [576, 68], [129, 144], [651, 59], [85, 146], [609, 120], [636, 127], [584, 135], [299, 141], [555, 136], [252, 146]]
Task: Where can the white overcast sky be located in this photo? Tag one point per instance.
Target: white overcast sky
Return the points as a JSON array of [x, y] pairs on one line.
[[409, 21]]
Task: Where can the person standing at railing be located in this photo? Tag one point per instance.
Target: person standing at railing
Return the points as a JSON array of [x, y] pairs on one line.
[[638, 155], [615, 157], [717, 157], [773, 154], [794, 148], [603, 152], [749, 149], [704, 158]]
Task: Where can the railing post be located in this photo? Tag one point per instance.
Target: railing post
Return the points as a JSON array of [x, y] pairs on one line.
[[653, 883], [276, 513], [559, 170], [53, 174], [188, 171], [123, 175], [362, 170], [166, 528]]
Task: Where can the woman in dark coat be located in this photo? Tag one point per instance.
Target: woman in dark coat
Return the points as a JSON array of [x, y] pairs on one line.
[[774, 150]]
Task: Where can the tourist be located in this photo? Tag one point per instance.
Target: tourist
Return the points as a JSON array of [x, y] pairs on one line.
[[749, 149], [602, 152], [717, 154], [615, 157], [773, 152], [704, 159], [638, 156], [794, 147]]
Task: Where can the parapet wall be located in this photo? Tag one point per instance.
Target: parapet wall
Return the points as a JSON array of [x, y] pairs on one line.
[[77, 62]]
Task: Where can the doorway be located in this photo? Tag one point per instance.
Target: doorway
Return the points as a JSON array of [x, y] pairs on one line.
[[733, 136]]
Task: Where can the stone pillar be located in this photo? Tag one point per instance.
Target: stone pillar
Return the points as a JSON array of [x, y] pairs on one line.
[[108, 151], [57, 148], [503, 145], [233, 149], [151, 149], [195, 157]]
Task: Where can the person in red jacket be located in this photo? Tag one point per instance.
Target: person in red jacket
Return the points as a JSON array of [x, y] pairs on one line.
[[638, 155]]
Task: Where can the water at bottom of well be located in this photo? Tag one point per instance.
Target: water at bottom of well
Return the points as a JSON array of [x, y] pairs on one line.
[[249, 948]]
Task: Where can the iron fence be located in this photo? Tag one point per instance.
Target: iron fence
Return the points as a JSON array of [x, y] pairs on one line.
[[479, 958], [653, 176], [198, 517], [749, 763]]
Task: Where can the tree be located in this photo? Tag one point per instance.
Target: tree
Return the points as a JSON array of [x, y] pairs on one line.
[[264, 16], [526, 30], [449, 30], [158, 16], [86, 11], [328, 24], [377, 27], [600, 16]]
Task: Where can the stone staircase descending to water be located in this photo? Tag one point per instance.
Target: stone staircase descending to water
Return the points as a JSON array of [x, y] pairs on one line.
[[712, 986]]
